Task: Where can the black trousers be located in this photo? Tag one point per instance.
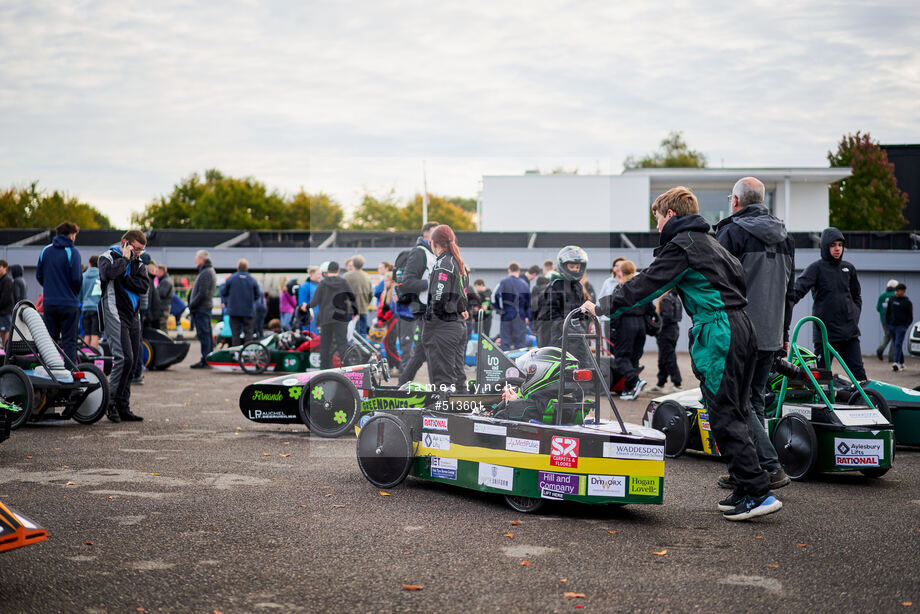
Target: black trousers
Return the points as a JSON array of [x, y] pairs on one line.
[[667, 355], [445, 343], [725, 375], [408, 368], [628, 346], [849, 351], [332, 340], [125, 350], [239, 329]]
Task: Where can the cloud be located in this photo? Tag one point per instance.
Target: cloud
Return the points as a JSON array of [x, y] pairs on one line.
[[117, 101]]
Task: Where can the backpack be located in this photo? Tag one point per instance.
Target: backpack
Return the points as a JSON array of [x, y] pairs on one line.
[[399, 271]]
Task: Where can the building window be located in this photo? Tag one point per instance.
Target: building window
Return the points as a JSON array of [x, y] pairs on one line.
[[714, 203]]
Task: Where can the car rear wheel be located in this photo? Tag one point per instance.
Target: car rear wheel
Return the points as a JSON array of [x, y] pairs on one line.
[[671, 419], [877, 399], [385, 451], [93, 407], [254, 358], [524, 505], [796, 445], [16, 390], [329, 404]]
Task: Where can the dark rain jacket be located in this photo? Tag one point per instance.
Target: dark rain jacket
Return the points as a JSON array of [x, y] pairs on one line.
[[201, 297], [900, 311], [446, 291], [709, 281], [561, 297], [124, 281], [835, 289], [240, 293], [334, 300], [6, 295], [767, 253], [19, 284], [512, 298], [415, 277]]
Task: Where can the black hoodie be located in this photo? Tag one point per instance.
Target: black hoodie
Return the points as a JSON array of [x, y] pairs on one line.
[[19, 284], [835, 289]]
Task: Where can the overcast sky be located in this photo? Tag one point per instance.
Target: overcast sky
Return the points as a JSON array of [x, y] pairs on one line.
[[115, 102]]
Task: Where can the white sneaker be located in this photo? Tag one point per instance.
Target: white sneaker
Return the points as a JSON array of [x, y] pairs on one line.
[[657, 388], [633, 394]]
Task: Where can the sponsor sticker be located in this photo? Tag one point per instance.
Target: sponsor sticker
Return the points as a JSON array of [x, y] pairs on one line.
[[563, 452], [434, 424], [258, 395], [639, 485], [801, 410], [607, 485], [290, 381], [496, 476], [258, 414], [860, 417], [858, 452], [636, 451], [555, 485], [490, 429], [436, 441], [445, 468], [516, 444], [364, 420]]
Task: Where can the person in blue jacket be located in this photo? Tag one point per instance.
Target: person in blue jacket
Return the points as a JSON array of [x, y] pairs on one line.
[[60, 273], [305, 295], [90, 294], [512, 301], [240, 293]]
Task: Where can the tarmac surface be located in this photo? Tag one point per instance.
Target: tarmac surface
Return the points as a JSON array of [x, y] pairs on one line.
[[197, 509]]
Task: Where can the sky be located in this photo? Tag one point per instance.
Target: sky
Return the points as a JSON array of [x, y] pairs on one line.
[[115, 102]]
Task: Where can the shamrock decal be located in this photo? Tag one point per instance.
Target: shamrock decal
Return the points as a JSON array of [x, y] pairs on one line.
[[486, 345], [295, 391], [318, 392], [340, 417]]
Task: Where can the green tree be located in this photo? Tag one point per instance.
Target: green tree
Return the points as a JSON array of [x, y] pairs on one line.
[[313, 212], [34, 208], [439, 209], [377, 214], [215, 202], [470, 205], [673, 152], [869, 199]]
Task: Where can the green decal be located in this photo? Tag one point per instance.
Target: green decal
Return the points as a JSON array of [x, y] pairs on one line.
[[582, 481], [295, 391], [259, 395], [392, 403], [317, 392], [643, 485], [340, 417], [486, 344]]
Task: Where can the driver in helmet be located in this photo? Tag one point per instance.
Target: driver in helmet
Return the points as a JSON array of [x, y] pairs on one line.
[[538, 396], [566, 293]]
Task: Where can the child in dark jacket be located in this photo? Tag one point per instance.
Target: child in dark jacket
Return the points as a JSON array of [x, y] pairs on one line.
[[670, 309]]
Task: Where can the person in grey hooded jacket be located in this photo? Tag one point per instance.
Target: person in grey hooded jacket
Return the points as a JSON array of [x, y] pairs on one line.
[[767, 254], [837, 296]]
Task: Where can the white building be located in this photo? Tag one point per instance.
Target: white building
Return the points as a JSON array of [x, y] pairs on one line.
[[619, 203]]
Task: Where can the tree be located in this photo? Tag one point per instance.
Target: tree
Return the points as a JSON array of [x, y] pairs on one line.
[[34, 208], [673, 152], [217, 202], [313, 212], [439, 210], [869, 199], [376, 214], [470, 205]]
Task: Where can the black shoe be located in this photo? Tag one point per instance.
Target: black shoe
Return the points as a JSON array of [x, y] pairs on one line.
[[137, 381], [878, 354], [127, 416], [112, 415], [778, 479], [751, 507], [199, 365]]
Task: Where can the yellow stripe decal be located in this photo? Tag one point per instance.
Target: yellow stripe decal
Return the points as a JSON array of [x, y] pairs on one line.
[[541, 462]]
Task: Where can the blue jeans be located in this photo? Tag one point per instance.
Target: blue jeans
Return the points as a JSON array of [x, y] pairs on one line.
[[513, 334], [62, 324], [286, 321], [361, 328], [897, 341], [202, 323]]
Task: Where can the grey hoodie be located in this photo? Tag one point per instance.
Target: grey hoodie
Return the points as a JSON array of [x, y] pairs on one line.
[[767, 253]]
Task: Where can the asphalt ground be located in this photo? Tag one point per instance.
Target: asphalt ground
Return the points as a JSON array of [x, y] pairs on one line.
[[197, 509]]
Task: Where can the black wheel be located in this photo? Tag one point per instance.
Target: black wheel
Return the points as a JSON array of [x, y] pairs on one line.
[[385, 451], [329, 404], [877, 399], [254, 357], [97, 401], [525, 505], [671, 419], [796, 445], [16, 390]]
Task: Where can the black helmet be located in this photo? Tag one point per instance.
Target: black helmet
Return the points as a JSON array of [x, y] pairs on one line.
[[572, 254], [541, 367]]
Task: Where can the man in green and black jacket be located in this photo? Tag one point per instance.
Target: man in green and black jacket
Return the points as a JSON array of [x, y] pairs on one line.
[[710, 282]]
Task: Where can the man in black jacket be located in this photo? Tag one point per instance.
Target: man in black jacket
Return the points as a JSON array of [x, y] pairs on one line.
[[767, 253], [899, 317], [124, 280], [837, 298], [7, 301], [337, 305], [200, 302], [414, 287]]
